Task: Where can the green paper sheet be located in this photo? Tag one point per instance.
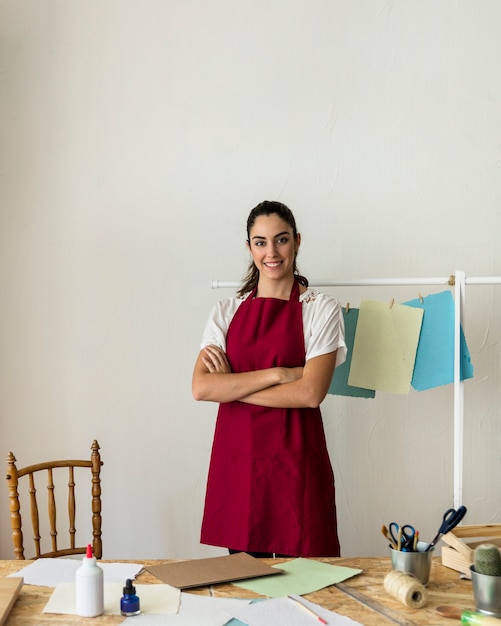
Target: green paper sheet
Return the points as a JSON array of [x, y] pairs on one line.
[[384, 351], [300, 576], [339, 384]]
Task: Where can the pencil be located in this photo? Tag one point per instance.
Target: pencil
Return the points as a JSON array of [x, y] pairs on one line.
[[308, 610]]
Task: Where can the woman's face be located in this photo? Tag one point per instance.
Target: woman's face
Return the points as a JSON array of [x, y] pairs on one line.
[[273, 247]]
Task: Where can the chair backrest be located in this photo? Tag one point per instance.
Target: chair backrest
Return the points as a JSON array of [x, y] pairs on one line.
[[34, 473]]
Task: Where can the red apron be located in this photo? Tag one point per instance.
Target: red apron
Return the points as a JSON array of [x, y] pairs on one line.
[[270, 486]]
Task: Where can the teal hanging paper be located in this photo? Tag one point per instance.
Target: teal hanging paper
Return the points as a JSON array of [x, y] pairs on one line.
[[339, 385], [435, 355]]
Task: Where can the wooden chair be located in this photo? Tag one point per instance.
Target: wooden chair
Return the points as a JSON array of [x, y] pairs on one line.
[[53, 468]]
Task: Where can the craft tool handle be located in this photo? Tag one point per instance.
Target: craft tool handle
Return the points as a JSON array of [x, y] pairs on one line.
[[308, 610], [450, 521]]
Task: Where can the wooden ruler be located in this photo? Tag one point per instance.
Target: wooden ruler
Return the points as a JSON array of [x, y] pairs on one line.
[[393, 616], [9, 590]]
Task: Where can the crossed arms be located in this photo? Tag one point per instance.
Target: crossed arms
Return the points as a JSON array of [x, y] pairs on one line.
[[276, 387]]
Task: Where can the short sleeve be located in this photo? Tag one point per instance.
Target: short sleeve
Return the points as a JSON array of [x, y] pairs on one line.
[[323, 325], [216, 327]]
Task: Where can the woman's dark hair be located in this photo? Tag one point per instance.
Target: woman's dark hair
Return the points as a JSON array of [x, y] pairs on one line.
[[267, 207]]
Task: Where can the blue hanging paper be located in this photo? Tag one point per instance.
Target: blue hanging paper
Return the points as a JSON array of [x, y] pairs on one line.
[[339, 385], [435, 355]]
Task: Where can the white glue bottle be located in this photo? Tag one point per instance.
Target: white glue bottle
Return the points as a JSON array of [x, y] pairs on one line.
[[89, 587]]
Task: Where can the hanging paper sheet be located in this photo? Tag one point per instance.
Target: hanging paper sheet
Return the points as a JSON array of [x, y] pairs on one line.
[[339, 385], [385, 346], [435, 355]]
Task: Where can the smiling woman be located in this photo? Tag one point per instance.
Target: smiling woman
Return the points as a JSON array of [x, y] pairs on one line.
[[274, 242], [274, 254], [267, 357]]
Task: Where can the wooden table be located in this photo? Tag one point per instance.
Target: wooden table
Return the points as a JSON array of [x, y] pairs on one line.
[[445, 587]]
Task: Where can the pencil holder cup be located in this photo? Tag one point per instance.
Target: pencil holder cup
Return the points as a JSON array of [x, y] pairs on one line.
[[487, 593], [416, 563]]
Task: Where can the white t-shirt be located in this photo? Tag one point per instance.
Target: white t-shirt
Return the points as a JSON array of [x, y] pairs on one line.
[[323, 324]]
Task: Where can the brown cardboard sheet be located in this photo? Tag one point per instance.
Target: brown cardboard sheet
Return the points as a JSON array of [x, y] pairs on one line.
[[9, 590], [218, 569]]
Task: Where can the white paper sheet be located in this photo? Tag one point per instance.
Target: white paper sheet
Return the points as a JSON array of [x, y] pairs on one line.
[[52, 572], [193, 611], [153, 599], [265, 612]]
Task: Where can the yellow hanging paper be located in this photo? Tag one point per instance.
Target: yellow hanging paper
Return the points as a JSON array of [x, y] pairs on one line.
[[385, 346]]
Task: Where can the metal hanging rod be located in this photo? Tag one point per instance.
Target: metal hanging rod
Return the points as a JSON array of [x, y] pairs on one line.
[[369, 282]]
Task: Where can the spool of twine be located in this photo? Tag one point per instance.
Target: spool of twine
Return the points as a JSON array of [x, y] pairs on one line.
[[406, 588]]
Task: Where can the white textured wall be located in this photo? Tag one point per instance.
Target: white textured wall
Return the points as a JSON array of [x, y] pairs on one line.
[[136, 135]]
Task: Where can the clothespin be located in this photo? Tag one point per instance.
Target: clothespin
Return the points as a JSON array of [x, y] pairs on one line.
[[420, 298], [392, 303], [347, 307]]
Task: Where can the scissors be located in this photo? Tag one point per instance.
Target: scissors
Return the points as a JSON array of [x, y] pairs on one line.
[[403, 536], [451, 520]]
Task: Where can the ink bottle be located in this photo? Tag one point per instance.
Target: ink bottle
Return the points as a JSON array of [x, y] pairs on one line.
[[89, 587], [129, 604]]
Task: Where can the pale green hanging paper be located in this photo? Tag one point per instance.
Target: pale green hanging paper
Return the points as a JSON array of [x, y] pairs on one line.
[[385, 346], [339, 384]]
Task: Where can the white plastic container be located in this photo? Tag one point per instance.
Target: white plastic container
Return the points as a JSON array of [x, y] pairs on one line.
[[89, 586]]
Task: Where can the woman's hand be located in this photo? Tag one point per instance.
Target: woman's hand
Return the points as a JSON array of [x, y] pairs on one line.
[[308, 389], [215, 360], [290, 374], [213, 379]]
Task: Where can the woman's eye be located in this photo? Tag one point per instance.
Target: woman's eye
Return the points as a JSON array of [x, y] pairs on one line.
[[283, 240]]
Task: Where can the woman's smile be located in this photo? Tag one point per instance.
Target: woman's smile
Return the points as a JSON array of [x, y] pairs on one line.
[[273, 247]]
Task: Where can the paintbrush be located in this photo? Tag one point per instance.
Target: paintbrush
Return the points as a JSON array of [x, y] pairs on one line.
[[386, 533]]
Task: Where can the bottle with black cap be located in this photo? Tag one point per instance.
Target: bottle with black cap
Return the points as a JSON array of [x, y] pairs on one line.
[[129, 604]]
